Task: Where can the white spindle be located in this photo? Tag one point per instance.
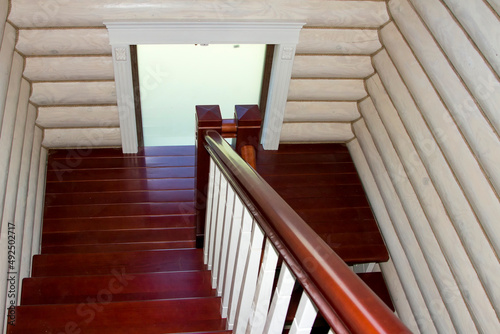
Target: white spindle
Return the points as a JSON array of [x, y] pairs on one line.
[[281, 300], [249, 280], [213, 217], [240, 263], [218, 229], [305, 316], [210, 198], [228, 221], [262, 299], [231, 255]]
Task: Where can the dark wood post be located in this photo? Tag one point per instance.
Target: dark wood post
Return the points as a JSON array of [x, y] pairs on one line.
[[208, 117], [249, 124]]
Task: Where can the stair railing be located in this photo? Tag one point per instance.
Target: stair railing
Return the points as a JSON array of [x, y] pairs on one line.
[[250, 229]]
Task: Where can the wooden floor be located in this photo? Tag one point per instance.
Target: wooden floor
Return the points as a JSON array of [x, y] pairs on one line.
[[320, 182]]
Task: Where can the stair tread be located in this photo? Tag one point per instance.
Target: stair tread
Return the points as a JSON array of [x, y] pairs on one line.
[[118, 236], [123, 162], [120, 210], [77, 154], [131, 262], [115, 223], [120, 185], [169, 316], [118, 247], [127, 287], [117, 197], [120, 174]]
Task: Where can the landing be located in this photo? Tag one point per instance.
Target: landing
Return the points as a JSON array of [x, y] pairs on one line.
[[321, 183]]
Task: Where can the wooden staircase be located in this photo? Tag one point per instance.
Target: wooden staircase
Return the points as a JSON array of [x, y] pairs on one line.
[[118, 248]]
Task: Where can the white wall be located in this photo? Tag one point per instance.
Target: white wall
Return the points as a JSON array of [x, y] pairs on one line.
[[21, 159], [428, 153]]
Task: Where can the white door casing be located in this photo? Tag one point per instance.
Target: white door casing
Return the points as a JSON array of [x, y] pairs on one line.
[[284, 35]]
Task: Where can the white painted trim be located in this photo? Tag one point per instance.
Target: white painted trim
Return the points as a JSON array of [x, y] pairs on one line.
[[285, 35]]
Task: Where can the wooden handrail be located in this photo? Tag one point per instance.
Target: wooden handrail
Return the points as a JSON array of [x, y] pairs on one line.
[[342, 298]]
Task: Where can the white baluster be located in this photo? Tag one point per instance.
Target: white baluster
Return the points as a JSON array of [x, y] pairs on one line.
[[218, 229], [250, 280], [305, 316], [262, 299], [331, 331], [228, 221], [231, 254], [208, 222], [240, 264], [213, 217], [281, 300]]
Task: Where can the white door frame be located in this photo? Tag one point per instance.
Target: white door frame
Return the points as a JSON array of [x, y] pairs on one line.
[[285, 36]]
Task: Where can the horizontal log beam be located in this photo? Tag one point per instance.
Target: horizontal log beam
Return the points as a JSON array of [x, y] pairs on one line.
[[91, 13], [326, 90], [332, 67], [74, 93], [73, 117], [91, 137], [321, 111], [60, 42], [316, 132], [69, 68], [338, 41]]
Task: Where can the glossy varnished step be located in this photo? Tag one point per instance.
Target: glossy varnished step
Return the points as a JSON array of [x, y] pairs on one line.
[[150, 286], [119, 185], [157, 316], [117, 236], [76, 155], [294, 181], [291, 169], [117, 223], [123, 162], [119, 210], [130, 262], [117, 197], [118, 247], [120, 174]]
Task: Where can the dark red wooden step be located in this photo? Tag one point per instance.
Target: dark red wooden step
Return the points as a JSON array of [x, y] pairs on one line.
[[298, 181], [99, 316], [322, 201], [119, 210], [76, 289], [121, 162], [76, 154], [130, 262], [119, 185], [292, 158], [117, 236], [319, 191], [116, 223], [115, 197], [300, 169], [120, 174], [118, 247]]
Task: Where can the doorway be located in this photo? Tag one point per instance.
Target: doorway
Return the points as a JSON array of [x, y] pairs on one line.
[[174, 78]]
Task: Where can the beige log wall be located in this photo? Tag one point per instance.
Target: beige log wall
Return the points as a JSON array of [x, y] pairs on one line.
[[22, 169], [427, 149], [72, 72]]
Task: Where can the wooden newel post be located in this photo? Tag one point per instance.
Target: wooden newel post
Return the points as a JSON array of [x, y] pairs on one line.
[[208, 117], [249, 125]]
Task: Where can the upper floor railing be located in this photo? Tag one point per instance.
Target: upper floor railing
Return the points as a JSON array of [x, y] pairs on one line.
[[258, 248]]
